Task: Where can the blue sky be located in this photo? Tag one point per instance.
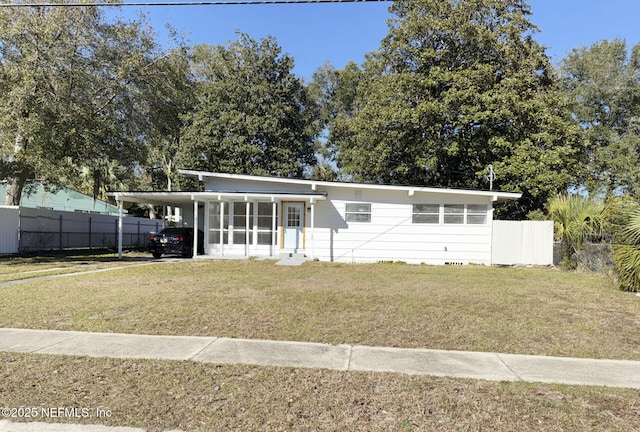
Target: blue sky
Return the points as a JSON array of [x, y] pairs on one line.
[[316, 33]]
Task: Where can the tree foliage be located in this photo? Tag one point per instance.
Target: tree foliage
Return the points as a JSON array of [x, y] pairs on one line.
[[335, 91], [456, 86], [604, 83], [252, 114], [70, 81], [169, 98]]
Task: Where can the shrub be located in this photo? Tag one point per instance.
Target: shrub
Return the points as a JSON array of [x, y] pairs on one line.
[[576, 218], [626, 254]]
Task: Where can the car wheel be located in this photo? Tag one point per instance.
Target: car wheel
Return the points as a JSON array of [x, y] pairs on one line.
[[157, 254]]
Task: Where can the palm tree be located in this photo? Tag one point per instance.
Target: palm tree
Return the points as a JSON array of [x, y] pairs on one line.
[[626, 254], [576, 218]]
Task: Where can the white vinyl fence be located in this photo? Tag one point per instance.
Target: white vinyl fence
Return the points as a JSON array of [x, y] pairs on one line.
[[9, 223], [36, 229], [522, 243]]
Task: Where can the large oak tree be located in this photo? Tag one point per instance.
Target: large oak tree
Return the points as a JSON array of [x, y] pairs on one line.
[[456, 86], [70, 80], [252, 114]]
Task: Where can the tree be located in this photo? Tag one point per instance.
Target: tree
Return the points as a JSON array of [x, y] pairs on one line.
[[252, 114], [70, 81], [170, 98], [335, 93], [604, 83], [456, 86]]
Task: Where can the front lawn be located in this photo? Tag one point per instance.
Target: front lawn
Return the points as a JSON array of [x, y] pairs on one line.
[[163, 395], [525, 311]]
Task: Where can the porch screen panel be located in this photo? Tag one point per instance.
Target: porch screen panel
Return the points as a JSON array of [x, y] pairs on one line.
[[265, 223], [240, 223], [214, 223]]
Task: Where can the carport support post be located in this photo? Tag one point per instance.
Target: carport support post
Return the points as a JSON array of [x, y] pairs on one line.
[[120, 211], [313, 229], [195, 228], [246, 225], [273, 226]]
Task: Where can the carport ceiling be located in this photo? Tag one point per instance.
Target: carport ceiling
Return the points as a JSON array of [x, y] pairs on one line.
[[180, 199]]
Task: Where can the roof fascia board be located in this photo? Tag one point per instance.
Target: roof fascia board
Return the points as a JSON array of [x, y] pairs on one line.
[[256, 195], [313, 184]]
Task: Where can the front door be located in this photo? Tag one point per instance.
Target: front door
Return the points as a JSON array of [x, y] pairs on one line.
[[293, 225]]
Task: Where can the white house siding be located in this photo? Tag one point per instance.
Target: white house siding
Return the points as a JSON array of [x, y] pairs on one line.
[[391, 235]]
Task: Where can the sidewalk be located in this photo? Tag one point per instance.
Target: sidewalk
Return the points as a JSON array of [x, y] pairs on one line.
[[457, 364]]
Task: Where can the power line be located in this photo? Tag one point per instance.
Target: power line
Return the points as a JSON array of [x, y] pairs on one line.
[[188, 3]]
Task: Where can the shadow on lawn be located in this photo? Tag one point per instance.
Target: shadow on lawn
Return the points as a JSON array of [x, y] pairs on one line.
[[76, 256]]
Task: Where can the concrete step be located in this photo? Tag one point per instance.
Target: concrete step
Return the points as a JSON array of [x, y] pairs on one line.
[[293, 255]]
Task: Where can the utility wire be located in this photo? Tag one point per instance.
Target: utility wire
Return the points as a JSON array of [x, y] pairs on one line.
[[187, 3]]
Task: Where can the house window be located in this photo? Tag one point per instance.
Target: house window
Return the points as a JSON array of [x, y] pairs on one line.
[[426, 214], [454, 213], [476, 214], [357, 212]]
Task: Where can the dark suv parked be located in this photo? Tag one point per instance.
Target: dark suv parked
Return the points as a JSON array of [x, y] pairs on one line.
[[175, 241]]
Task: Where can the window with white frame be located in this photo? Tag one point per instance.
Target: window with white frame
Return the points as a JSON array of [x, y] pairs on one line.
[[357, 212], [426, 214], [454, 213], [470, 214], [476, 214]]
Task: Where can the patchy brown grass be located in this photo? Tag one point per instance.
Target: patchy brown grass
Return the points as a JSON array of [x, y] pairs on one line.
[[525, 311], [20, 268], [161, 395]]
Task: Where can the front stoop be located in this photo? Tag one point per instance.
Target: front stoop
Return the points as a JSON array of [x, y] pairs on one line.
[[292, 258]]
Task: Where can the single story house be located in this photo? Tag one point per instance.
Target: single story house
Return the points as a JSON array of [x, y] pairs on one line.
[[246, 216]]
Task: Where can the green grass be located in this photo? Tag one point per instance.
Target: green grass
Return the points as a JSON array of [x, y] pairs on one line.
[[525, 311]]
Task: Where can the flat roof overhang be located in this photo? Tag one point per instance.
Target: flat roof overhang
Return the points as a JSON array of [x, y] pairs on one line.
[[187, 198], [313, 185]]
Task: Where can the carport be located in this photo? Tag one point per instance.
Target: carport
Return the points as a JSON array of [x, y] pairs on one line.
[[183, 200], [198, 207]]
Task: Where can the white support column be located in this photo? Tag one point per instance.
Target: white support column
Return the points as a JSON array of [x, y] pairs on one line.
[[195, 229], [120, 221], [254, 228], [274, 234], [313, 228], [221, 228], [247, 206]]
